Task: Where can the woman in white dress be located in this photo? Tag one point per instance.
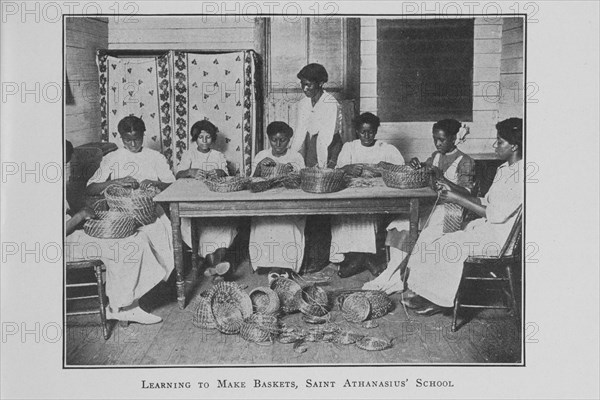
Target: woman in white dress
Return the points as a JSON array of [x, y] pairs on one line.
[[436, 264], [215, 234], [277, 243], [318, 139], [353, 236], [450, 165]]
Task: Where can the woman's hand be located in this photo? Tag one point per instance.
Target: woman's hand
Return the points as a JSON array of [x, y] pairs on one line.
[[415, 163], [448, 196], [128, 181], [147, 183], [354, 170], [84, 214], [267, 162], [216, 173], [289, 168]]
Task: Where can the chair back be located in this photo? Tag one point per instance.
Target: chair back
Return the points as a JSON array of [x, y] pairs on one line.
[[512, 246]]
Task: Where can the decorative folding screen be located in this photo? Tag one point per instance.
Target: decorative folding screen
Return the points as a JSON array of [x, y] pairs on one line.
[[170, 92]]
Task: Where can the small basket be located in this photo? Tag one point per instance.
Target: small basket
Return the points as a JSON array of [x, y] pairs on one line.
[[405, 177], [379, 301], [312, 301], [138, 203], [371, 343], [264, 300], [292, 181], [272, 171], [260, 328], [110, 225], [228, 317], [453, 217], [356, 308], [227, 184], [286, 289], [322, 180], [230, 293], [203, 315]]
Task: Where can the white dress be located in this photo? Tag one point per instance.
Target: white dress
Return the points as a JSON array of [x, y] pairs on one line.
[[436, 262], [213, 233], [145, 164], [277, 242], [356, 233], [321, 120]]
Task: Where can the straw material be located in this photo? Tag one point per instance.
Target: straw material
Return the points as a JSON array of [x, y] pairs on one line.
[[322, 180], [203, 315], [286, 289], [138, 203], [453, 217], [405, 177], [312, 301], [260, 328], [292, 181], [356, 308], [370, 343], [272, 171], [110, 225], [379, 301], [228, 317], [227, 184], [264, 300]]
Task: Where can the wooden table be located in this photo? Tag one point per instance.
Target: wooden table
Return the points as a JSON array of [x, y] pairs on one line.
[[191, 198]]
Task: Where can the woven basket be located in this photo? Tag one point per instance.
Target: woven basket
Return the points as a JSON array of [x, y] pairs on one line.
[[203, 315], [228, 317], [405, 177], [379, 301], [322, 180], [370, 343], [227, 184], [272, 171], [312, 301], [230, 293], [286, 289], [138, 203], [110, 225], [292, 181], [264, 300], [453, 217], [356, 308]]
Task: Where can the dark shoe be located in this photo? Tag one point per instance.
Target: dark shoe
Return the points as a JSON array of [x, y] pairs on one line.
[[415, 302], [351, 267], [432, 309], [373, 266]]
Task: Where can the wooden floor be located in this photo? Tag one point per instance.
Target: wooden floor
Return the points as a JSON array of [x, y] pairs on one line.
[[491, 336]]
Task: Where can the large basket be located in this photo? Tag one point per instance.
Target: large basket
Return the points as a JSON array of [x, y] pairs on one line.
[[110, 225], [322, 180], [379, 301], [231, 293], [286, 289], [203, 315], [273, 171], [228, 317], [227, 184], [264, 300], [356, 308], [312, 301], [138, 203], [405, 177]]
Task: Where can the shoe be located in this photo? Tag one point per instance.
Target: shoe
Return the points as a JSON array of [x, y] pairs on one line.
[[352, 267], [415, 302], [430, 310], [222, 268], [138, 315], [375, 268]]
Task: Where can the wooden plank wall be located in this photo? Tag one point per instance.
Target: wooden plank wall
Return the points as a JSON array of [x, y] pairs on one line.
[[83, 36], [511, 69], [189, 33], [414, 138]]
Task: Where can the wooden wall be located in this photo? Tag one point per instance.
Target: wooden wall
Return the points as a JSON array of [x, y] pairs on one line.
[[83, 37], [414, 138], [511, 69]]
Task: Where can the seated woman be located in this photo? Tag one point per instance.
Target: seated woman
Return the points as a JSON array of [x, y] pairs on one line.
[[353, 236], [435, 267], [215, 234], [451, 166], [132, 265], [278, 241]]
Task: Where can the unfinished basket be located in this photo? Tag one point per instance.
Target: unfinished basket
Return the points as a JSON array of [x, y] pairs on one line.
[[356, 308], [230, 293], [286, 289], [264, 300], [138, 203], [292, 181], [203, 315], [312, 301], [405, 177], [228, 317], [110, 225], [227, 184], [453, 217], [272, 171], [322, 180]]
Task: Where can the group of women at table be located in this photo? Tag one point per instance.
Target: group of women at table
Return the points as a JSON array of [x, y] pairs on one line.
[[294, 244]]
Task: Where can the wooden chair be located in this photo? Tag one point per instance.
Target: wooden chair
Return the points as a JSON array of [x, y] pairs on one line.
[[98, 267], [498, 269]]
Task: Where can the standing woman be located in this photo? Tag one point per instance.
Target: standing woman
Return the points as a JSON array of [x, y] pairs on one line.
[[318, 140]]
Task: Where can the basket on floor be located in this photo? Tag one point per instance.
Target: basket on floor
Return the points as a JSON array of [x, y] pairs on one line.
[[313, 301], [231, 293], [405, 177], [260, 328], [138, 203], [228, 317], [110, 225], [355, 308], [203, 315], [264, 300], [453, 217], [227, 184], [322, 180], [272, 171], [286, 289], [379, 302]]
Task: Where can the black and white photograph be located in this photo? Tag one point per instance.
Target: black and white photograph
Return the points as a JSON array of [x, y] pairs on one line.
[[310, 200]]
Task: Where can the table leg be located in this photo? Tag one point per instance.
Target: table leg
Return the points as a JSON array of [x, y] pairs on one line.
[[195, 257], [178, 253], [414, 222]]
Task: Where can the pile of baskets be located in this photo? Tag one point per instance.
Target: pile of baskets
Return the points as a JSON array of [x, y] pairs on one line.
[[405, 176], [128, 209]]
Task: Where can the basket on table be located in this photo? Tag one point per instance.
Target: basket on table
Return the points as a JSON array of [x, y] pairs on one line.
[[292, 181], [312, 301], [272, 171], [286, 289], [110, 225], [406, 177], [227, 184], [264, 300], [138, 203], [322, 180], [230, 306]]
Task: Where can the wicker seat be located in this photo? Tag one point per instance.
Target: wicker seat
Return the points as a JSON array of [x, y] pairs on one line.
[[98, 267], [495, 270]]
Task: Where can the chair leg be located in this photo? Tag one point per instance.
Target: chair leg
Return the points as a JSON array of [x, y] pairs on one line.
[[511, 288], [455, 311], [98, 272]]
